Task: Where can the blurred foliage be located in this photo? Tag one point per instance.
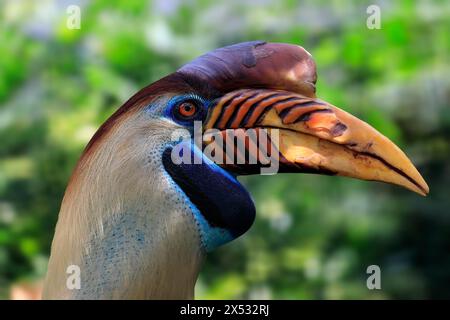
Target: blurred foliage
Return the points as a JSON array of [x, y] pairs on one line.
[[314, 235]]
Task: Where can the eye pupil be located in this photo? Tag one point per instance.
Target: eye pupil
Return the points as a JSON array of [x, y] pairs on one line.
[[187, 109]]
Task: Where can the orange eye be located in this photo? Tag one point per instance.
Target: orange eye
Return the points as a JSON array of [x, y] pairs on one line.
[[187, 109]]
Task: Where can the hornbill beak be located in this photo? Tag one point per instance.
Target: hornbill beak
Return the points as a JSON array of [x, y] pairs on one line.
[[313, 136], [304, 133]]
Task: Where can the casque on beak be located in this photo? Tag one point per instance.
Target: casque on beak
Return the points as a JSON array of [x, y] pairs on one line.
[[314, 136], [272, 86]]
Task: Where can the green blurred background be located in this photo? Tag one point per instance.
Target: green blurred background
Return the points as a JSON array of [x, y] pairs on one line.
[[314, 235]]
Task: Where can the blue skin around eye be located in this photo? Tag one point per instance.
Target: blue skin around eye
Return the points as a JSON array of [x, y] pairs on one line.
[[176, 100]]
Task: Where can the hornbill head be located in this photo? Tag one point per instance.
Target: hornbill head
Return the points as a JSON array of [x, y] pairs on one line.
[[254, 101], [270, 88]]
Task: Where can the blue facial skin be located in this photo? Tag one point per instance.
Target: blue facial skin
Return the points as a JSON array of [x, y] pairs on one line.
[[222, 208]]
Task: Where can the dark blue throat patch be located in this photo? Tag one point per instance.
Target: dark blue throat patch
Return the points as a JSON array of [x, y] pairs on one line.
[[224, 208]]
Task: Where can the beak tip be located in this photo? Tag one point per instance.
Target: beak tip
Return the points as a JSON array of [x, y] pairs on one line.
[[422, 188], [426, 190]]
